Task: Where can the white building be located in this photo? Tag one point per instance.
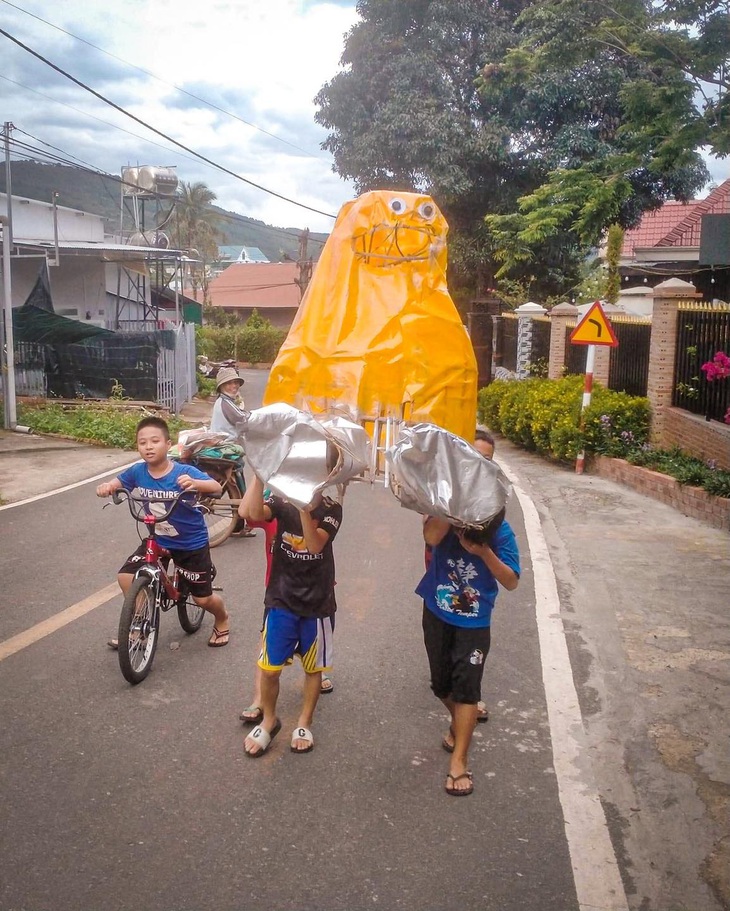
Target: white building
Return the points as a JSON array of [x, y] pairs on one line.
[[93, 276]]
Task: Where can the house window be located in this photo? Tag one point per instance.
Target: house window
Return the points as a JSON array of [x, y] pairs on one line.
[[68, 311]]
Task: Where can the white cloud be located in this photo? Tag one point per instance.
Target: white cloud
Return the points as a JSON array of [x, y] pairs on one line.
[[270, 57]]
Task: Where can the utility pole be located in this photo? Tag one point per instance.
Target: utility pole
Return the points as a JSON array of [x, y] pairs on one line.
[[304, 264], [7, 342]]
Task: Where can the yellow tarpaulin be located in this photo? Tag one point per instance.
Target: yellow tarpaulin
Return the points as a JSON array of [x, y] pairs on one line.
[[377, 330]]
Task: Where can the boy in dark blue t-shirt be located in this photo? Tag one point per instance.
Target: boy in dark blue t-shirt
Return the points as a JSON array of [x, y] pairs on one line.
[[459, 589], [185, 533]]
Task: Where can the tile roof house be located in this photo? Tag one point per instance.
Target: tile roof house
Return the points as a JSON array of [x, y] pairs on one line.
[[667, 243], [269, 288]]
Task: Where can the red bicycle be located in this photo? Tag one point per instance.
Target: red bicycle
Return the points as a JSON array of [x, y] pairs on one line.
[[155, 589]]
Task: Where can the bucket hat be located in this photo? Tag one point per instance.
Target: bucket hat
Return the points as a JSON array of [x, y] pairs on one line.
[[225, 375]]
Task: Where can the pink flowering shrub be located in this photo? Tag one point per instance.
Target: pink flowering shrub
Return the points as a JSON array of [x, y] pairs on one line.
[[718, 369]]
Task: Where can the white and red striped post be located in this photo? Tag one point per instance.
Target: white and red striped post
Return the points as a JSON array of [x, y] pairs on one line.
[[587, 390]]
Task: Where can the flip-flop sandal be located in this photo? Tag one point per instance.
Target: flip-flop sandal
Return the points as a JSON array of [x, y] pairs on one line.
[[459, 792], [254, 714], [482, 712], [445, 745], [263, 738], [219, 638], [302, 734], [327, 686]]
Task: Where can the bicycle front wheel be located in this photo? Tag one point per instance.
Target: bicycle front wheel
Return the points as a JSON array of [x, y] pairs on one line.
[[138, 630], [221, 515]]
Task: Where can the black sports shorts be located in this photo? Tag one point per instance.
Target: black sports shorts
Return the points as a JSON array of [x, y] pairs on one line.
[[195, 565], [456, 657]]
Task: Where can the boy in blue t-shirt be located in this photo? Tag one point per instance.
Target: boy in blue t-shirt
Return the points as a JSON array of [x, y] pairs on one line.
[[185, 533], [459, 589]]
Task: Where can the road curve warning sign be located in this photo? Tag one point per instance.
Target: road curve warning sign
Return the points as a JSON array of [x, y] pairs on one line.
[[594, 329]]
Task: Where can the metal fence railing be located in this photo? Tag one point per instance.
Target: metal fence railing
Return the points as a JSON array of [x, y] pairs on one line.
[[628, 369], [156, 365], [702, 331], [540, 349], [510, 325]]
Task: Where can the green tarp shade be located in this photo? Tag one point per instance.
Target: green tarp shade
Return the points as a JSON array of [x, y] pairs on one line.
[[34, 324]]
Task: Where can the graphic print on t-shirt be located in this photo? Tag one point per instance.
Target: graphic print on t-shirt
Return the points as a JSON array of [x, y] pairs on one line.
[[457, 596], [294, 546]]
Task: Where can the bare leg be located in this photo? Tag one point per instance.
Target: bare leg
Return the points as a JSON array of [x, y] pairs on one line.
[[269, 697], [214, 604], [125, 581], [463, 721], [312, 687]]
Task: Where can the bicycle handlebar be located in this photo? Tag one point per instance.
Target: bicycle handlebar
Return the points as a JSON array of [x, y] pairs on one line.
[[119, 496]]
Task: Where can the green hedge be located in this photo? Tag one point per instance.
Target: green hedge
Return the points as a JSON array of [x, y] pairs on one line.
[[254, 344], [545, 416], [105, 425]]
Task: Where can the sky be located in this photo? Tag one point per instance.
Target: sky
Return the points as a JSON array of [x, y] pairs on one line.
[[260, 61]]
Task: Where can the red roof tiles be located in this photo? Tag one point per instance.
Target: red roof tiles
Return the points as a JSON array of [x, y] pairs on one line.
[[264, 286], [677, 224]]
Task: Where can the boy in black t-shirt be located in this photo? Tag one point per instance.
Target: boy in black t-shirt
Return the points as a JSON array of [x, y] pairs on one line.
[[300, 597]]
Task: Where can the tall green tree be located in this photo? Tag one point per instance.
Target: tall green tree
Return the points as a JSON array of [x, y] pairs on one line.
[[556, 118], [194, 228], [617, 99], [405, 111]]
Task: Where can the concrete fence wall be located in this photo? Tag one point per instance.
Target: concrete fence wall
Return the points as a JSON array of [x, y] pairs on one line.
[[671, 426]]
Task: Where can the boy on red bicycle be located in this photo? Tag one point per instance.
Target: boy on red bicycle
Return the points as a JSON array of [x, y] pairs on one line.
[[185, 533]]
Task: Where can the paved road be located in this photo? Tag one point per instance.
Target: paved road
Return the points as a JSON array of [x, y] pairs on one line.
[[141, 797], [125, 797]]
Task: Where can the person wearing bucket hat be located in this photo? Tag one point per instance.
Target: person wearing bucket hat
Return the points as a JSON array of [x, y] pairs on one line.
[[228, 385]]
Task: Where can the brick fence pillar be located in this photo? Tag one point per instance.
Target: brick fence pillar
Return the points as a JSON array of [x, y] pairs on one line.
[[663, 349], [559, 317]]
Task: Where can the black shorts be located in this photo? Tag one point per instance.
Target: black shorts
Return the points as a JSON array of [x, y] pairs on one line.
[[195, 566], [456, 657]]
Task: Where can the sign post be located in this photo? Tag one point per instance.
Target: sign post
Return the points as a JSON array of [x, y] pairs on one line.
[[594, 329]]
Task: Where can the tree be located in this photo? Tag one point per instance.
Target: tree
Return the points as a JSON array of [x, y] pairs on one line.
[[554, 118], [194, 228], [405, 112], [617, 100]]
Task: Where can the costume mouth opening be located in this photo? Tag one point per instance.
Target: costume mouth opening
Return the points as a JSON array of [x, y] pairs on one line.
[[387, 244]]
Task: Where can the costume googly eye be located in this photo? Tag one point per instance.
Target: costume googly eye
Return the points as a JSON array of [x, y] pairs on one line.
[[397, 205], [427, 211]]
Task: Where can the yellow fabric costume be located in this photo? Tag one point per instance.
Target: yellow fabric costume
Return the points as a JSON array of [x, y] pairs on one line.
[[377, 330]]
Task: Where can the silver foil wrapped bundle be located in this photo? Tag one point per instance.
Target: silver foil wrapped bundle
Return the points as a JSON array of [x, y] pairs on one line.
[[297, 454], [437, 473]]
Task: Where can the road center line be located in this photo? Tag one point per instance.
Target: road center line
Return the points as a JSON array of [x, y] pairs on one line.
[[596, 874], [46, 627]]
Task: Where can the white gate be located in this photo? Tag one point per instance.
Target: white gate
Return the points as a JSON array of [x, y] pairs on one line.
[[176, 379]]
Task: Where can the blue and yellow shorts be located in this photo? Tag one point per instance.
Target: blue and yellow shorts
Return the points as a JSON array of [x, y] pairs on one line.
[[286, 634]]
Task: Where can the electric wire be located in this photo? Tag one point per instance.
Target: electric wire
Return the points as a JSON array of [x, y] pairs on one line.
[[177, 88], [148, 126], [250, 224]]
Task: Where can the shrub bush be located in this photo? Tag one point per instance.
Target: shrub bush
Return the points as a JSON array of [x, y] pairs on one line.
[[255, 341], [545, 416], [102, 424]]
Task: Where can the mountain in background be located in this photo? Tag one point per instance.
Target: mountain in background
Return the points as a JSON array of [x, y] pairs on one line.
[[101, 195]]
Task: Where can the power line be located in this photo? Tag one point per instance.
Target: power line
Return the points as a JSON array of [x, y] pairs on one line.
[[231, 216], [148, 126], [177, 88], [250, 223]]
